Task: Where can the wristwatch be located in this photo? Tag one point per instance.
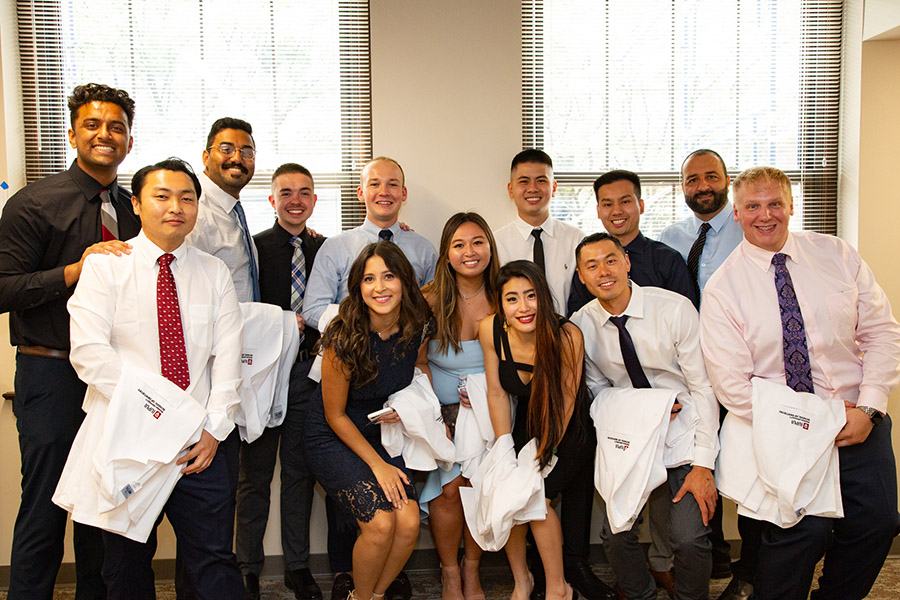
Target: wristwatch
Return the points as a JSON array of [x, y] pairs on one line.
[[876, 415]]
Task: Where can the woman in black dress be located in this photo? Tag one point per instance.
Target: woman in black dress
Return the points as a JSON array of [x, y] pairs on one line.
[[551, 405], [370, 351]]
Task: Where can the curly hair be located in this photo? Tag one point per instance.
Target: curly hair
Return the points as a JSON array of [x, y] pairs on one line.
[[348, 334], [546, 419], [91, 92], [444, 287]]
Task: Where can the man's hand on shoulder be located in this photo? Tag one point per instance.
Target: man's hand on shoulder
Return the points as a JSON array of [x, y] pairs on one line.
[[117, 247], [856, 430], [701, 483], [202, 453]]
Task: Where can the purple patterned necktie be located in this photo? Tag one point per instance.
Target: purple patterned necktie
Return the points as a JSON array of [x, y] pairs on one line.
[[797, 370]]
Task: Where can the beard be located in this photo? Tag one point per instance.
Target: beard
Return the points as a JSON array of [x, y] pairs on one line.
[[706, 203]]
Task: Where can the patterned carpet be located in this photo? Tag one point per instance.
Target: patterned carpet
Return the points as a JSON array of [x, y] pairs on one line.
[[497, 585]]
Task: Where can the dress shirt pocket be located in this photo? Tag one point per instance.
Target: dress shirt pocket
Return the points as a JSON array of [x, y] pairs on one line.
[[201, 324]]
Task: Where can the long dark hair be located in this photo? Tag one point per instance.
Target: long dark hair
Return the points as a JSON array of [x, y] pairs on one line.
[[348, 333], [546, 409], [444, 288]]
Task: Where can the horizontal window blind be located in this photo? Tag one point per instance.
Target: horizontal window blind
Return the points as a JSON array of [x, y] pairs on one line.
[[298, 72], [639, 85]]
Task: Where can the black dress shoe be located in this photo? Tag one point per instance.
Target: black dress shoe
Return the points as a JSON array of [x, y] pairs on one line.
[[400, 588], [251, 586], [341, 586], [302, 583], [582, 578], [737, 590]]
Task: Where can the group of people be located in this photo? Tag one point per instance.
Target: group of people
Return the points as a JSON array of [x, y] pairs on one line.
[[567, 329]]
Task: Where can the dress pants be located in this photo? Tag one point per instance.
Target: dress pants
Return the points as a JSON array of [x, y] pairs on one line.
[[48, 414], [297, 484], [690, 546], [854, 547], [659, 505], [575, 516], [200, 511], [750, 531]]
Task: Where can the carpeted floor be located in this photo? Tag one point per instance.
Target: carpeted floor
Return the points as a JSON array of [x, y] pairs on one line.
[[498, 584]]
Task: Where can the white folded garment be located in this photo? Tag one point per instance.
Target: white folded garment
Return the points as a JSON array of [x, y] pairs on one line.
[[632, 425], [474, 431], [420, 436], [260, 351], [290, 345], [506, 491], [794, 468], [121, 468]]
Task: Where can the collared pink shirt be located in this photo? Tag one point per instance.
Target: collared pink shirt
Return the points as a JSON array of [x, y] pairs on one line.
[[853, 340]]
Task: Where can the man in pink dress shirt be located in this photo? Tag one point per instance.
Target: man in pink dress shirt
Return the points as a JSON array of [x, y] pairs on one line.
[[851, 352]]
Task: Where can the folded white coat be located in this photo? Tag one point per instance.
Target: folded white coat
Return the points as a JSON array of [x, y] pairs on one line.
[[420, 436], [474, 431], [270, 344], [794, 469], [290, 345], [632, 454], [121, 469], [506, 491]]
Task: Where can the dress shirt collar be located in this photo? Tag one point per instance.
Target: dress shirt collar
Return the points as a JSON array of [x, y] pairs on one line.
[[214, 193], [634, 309], [548, 227], [89, 186], [370, 227], [147, 253], [283, 236], [763, 258], [717, 222]]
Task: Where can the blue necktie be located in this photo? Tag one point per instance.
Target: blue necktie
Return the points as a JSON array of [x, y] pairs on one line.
[[248, 242], [629, 354], [797, 370], [387, 235]]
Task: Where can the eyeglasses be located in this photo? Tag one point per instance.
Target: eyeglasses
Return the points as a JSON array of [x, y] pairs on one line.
[[229, 149]]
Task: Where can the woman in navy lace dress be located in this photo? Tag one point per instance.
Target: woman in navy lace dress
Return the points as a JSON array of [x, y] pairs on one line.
[[370, 351]]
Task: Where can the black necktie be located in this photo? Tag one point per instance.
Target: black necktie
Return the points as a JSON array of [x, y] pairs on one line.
[[539, 250], [693, 260], [386, 234], [629, 354]]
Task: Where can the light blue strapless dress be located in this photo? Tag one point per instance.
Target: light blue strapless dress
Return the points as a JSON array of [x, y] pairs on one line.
[[446, 369]]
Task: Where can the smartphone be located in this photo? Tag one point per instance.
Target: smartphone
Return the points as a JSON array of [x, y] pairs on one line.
[[374, 416]]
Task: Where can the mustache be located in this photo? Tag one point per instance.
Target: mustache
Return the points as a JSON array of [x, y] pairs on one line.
[[231, 165]]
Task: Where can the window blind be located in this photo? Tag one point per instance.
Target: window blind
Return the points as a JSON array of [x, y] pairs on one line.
[[639, 85], [298, 72]]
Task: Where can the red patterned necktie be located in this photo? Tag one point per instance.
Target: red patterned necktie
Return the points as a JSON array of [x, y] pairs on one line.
[[172, 354]]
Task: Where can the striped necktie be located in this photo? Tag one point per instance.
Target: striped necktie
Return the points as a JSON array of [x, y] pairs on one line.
[[109, 223]]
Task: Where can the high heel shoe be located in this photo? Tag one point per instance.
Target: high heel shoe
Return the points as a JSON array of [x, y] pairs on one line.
[[468, 563], [451, 582]]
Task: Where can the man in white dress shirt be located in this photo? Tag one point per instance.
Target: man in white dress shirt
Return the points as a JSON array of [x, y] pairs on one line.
[[114, 321], [663, 331], [535, 235], [229, 161]]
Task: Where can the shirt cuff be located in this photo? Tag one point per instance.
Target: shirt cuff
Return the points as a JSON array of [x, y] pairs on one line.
[[869, 396], [704, 457], [218, 425]]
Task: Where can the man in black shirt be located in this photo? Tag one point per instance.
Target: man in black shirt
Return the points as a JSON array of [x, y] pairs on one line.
[[46, 231], [293, 197], [619, 207]]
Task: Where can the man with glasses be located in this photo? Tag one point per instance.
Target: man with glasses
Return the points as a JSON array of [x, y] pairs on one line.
[[221, 230], [230, 161]]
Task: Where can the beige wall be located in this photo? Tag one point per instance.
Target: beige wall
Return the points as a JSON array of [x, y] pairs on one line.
[[446, 103], [879, 157]]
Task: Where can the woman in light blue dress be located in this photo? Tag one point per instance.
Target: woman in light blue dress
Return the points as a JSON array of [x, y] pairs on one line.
[[462, 293]]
